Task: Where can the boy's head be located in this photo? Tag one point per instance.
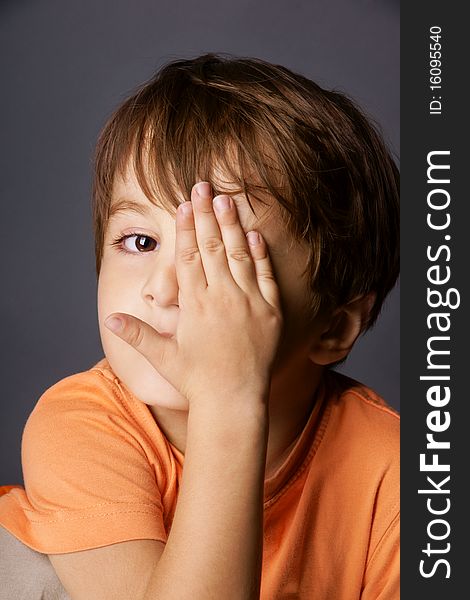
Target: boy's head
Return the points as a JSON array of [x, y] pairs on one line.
[[274, 133], [299, 157]]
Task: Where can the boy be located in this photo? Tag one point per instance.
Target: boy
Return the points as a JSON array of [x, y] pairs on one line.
[[246, 226]]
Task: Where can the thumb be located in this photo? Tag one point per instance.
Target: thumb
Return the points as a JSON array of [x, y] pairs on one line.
[[157, 349]]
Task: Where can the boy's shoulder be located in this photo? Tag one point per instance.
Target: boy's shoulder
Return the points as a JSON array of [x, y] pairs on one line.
[[91, 400], [96, 385], [346, 392], [359, 453], [349, 387], [360, 418], [96, 407], [98, 372]]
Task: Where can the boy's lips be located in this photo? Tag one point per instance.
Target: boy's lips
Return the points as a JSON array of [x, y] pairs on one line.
[[165, 334]]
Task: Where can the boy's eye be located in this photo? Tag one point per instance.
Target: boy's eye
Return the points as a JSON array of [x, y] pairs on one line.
[[135, 243]]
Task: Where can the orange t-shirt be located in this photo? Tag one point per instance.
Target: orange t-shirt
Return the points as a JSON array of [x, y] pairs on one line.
[[98, 470]]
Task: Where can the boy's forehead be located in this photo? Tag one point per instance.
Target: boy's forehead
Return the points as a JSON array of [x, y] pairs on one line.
[[128, 195]]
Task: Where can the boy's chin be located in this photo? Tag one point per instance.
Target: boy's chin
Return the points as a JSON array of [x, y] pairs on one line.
[[148, 386], [158, 392]]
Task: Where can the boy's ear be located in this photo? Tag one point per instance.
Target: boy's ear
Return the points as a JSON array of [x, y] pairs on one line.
[[341, 329]]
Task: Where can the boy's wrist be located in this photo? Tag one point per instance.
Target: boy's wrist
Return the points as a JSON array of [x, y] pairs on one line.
[[243, 417], [248, 407]]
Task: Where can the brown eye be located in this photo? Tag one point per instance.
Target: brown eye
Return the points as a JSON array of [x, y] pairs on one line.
[[143, 243]]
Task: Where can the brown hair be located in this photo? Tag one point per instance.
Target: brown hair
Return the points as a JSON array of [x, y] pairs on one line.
[[273, 132]]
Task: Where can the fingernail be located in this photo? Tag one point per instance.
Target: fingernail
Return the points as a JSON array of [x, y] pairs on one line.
[[186, 208], [114, 323], [203, 189], [222, 203], [253, 238]]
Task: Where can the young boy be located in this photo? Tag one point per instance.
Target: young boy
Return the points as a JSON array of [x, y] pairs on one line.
[[246, 226]]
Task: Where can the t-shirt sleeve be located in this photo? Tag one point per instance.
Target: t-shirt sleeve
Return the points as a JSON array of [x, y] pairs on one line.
[[87, 478], [382, 577]]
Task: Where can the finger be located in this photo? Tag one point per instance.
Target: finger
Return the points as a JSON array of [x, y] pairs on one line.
[[188, 261], [237, 251], [264, 270], [209, 237], [158, 350]]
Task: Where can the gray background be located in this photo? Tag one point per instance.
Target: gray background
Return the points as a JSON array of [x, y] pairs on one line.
[[65, 66]]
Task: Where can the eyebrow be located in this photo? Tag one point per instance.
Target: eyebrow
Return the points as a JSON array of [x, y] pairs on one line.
[[123, 205]]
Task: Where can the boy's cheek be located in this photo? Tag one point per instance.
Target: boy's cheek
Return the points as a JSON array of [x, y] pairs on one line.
[[101, 304]]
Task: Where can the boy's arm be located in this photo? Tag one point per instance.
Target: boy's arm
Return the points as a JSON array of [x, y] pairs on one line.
[[215, 545], [221, 358]]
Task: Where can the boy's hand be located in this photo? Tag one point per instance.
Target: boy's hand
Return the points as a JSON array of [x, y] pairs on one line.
[[230, 316]]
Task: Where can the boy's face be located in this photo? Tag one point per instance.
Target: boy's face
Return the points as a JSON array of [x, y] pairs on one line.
[[138, 277]]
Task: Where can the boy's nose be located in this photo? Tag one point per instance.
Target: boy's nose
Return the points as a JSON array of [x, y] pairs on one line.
[[161, 286]]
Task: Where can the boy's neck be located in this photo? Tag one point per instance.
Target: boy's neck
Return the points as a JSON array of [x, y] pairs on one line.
[[291, 401]]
